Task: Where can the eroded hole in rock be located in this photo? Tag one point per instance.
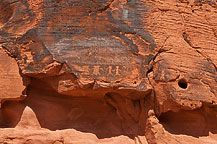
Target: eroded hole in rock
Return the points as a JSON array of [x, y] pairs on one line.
[[183, 83], [194, 123]]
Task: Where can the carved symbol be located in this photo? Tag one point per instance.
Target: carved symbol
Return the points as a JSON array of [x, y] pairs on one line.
[[110, 70], [86, 70], [117, 70], [96, 70]]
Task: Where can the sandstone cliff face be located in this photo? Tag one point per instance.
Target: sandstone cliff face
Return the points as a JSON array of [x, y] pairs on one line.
[[108, 71]]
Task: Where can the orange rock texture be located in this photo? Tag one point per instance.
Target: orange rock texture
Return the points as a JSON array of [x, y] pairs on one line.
[[108, 71]]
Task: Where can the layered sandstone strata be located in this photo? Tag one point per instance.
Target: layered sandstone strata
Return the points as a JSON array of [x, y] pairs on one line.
[[108, 71]]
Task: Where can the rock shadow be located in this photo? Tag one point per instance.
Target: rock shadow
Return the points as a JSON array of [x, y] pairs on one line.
[[10, 113], [85, 114], [196, 123]]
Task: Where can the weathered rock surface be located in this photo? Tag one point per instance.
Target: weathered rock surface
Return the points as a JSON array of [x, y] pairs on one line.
[[108, 71], [11, 84]]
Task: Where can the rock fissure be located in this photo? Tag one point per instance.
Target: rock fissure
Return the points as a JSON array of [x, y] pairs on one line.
[[198, 51]]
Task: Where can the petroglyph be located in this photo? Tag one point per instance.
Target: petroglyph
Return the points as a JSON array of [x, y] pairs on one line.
[[97, 44], [96, 70]]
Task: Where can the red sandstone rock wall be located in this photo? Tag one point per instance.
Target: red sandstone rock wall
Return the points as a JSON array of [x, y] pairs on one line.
[[108, 71]]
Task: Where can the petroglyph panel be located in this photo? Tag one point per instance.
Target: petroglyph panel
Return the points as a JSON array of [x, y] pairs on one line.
[[103, 40], [94, 42]]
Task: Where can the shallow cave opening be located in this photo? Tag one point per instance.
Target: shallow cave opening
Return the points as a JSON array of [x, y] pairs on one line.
[[194, 123], [97, 115]]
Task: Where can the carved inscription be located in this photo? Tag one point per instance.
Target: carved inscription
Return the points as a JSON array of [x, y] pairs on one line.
[[97, 45], [96, 70], [101, 70]]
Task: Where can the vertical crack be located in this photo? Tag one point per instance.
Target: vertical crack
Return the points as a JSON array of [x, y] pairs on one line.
[[187, 40], [150, 69], [102, 9]]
